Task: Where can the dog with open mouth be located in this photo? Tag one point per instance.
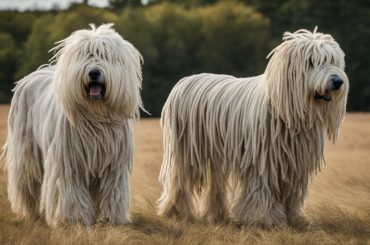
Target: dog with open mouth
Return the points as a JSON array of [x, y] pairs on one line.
[[96, 84], [69, 149]]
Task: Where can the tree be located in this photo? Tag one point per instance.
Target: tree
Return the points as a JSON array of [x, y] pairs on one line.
[[8, 64], [235, 39], [185, 2], [120, 4]]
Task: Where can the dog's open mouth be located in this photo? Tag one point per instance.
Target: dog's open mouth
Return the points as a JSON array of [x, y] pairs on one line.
[[326, 96], [96, 90]]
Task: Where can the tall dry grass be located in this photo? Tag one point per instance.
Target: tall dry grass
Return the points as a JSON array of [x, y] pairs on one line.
[[338, 205]]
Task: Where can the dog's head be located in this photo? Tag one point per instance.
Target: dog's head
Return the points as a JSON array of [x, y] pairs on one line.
[[306, 81], [98, 75]]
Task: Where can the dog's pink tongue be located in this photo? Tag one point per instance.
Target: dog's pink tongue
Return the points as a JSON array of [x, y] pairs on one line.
[[95, 90]]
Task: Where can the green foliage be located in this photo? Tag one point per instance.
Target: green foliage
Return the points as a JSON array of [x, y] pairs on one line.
[[188, 3], [120, 4], [35, 48], [234, 38], [17, 24], [180, 38], [7, 63]]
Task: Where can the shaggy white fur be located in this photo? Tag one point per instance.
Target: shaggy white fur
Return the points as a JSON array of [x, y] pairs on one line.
[[262, 137], [69, 149]]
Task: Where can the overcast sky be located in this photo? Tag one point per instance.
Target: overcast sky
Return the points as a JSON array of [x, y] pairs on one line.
[[44, 4]]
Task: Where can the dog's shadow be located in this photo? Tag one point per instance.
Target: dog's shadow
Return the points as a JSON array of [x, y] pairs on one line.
[[151, 224], [346, 225], [148, 223]]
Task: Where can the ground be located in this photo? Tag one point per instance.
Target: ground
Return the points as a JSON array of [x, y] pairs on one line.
[[338, 204]]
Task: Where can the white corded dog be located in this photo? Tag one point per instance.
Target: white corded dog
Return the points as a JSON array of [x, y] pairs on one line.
[[261, 136], [69, 149]]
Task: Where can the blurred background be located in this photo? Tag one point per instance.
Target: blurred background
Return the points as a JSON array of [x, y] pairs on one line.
[[178, 38]]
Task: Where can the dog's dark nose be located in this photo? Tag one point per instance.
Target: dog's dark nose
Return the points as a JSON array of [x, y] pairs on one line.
[[336, 82], [94, 74]]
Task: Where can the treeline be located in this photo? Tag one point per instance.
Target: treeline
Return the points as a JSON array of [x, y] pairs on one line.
[[180, 38]]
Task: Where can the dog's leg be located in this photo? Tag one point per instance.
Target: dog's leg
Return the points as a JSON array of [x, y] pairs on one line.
[[214, 206], [294, 205], [66, 198], [23, 162], [115, 196], [178, 178], [65, 194], [258, 205], [23, 187], [177, 196]]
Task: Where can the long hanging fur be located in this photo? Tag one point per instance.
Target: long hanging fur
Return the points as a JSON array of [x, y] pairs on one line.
[[262, 137], [69, 157]]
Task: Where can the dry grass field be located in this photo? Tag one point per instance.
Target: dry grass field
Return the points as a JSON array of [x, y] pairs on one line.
[[338, 205]]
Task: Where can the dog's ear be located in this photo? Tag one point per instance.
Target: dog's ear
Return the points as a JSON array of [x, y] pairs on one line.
[[135, 62], [127, 91], [287, 84]]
